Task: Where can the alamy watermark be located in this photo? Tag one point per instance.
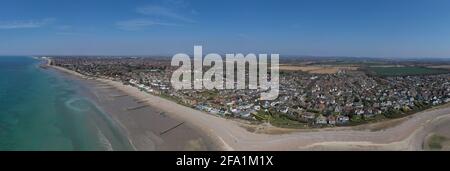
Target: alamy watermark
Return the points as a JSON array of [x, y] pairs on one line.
[[189, 77]]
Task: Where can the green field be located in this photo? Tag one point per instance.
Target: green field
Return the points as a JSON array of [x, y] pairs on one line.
[[404, 71], [279, 120]]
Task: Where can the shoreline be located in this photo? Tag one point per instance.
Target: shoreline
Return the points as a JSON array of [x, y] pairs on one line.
[[145, 126], [231, 135]]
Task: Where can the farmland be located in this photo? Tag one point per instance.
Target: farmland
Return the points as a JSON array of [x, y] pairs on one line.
[[404, 71], [318, 69]]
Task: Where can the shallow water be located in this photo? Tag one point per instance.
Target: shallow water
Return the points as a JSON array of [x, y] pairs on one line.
[[43, 110]]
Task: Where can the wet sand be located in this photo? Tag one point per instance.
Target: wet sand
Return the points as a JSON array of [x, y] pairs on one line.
[[147, 128]]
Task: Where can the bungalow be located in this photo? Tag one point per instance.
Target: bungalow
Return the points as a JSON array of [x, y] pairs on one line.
[[285, 110], [246, 114], [308, 116], [331, 120], [321, 120], [338, 109], [214, 111], [257, 108], [359, 112], [133, 82], [342, 119]]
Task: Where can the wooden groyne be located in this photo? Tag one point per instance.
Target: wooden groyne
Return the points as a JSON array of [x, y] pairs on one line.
[[105, 87], [170, 129], [118, 96], [141, 101], [136, 108]]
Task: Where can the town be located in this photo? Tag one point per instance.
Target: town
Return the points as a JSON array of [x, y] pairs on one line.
[[311, 95]]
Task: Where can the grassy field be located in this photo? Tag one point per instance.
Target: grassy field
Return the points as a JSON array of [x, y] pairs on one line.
[[318, 69], [404, 71], [279, 120]]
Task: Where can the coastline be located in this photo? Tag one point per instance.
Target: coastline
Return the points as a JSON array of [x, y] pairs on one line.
[[231, 135], [146, 127]]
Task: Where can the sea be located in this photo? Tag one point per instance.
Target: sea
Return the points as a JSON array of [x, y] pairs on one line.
[[45, 110]]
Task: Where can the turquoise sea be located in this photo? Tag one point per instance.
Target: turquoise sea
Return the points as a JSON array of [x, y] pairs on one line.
[[43, 110]]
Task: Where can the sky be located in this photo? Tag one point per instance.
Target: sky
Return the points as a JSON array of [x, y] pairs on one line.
[[358, 28]]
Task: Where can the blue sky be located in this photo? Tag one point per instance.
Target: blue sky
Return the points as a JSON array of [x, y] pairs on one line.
[[372, 28]]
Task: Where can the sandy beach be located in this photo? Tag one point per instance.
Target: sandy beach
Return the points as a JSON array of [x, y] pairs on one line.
[[147, 127], [406, 134]]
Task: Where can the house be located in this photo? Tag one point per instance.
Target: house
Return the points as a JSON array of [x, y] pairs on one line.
[[342, 119], [285, 110], [331, 120], [321, 120], [308, 117], [257, 108], [359, 112], [338, 109]]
